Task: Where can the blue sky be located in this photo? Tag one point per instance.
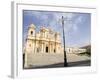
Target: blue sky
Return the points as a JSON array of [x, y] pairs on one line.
[[77, 25]]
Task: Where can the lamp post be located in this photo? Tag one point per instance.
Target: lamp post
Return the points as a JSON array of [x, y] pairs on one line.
[[65, 57]]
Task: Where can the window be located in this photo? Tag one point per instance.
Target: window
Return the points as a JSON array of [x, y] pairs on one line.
[[31, 32]]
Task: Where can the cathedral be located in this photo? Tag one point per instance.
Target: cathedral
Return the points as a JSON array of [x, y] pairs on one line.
[[44, 41]]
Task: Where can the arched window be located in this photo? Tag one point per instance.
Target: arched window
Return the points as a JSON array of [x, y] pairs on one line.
[[31, 32]]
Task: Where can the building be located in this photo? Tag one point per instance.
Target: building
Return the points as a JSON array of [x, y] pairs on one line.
[[75, 50], [43, 41]]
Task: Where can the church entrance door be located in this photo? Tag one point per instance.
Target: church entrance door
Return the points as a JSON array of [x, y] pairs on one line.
[[46, 49]]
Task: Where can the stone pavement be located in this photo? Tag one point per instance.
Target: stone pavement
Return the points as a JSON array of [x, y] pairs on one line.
[[53, 60]]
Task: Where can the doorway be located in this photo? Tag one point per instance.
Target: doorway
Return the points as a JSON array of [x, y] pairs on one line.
[[46, 49]]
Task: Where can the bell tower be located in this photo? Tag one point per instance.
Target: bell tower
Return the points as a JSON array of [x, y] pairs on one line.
[[29, 47], [31, 30]]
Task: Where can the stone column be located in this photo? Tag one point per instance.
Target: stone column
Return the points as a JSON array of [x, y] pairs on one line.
[[58, 48], [50, 48], [42, 48], [33, 47], [36, 47], [53, 48]]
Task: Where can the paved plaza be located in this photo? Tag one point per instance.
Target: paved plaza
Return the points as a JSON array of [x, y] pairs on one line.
[[46, 60]]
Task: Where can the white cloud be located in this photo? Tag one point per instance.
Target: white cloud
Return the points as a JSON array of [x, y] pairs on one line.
[[70, 27], [79, 19], [75, 28], [68, 15]]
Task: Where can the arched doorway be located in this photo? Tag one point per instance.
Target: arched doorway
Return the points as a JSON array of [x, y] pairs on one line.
[[54, 51], [46, 49]]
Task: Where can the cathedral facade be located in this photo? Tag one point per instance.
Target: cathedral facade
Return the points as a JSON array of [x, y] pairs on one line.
[[44, 41]]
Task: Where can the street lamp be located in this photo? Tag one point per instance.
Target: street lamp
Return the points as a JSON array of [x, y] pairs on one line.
[[65, 57]]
